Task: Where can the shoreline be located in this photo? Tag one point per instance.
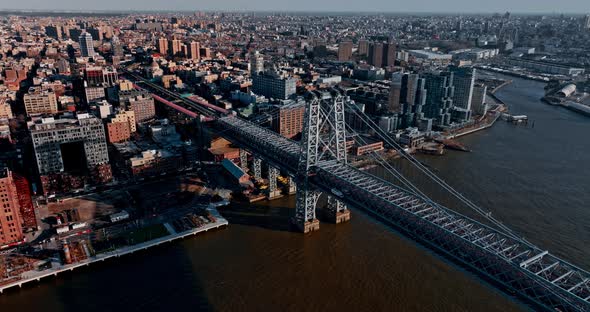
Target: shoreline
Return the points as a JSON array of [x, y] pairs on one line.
[[57, 268]]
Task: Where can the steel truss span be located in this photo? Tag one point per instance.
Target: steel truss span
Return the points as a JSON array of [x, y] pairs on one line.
[[532, 273]]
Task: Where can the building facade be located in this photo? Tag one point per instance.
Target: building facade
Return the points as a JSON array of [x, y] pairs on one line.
[[273, 86], [40, 102], [86, 45], [10, 221]]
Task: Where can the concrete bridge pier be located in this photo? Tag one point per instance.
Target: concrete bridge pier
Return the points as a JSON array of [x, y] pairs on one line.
[[336, 211]]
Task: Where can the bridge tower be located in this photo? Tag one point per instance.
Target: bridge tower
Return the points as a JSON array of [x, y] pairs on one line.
[[323, 139]]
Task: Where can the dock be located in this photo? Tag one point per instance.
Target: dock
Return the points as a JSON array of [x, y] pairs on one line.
[[57, 267]]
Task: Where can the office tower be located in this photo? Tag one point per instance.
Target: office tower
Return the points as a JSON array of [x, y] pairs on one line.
[[256, 63], [143, 107], [53, 32], [273, 86], [175, 47], [287, 120], [389, 51], [70, 146], [163, 46], [587, 21], [463, 81], [363, 47], [412, 97], [10, 220], [39, 101], [439, 93], [376, 54], [478, 104], [5, 109], [195, 51], [86, 45], [345, 51]]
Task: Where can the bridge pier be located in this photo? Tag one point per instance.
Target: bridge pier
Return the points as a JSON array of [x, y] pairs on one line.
[[292, 186], [273, 190], [336, 211], [305, 220], [244, 160], [257, 168]]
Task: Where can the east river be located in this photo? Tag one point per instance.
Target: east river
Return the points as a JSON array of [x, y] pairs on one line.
[[535, 179]]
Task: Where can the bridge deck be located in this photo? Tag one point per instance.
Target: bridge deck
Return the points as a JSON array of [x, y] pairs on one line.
[[521, 267]]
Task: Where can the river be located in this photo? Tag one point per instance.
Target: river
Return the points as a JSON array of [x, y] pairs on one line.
[[536, 180]]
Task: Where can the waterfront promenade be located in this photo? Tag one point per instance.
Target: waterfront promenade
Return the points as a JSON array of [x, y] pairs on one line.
[[57, 267]]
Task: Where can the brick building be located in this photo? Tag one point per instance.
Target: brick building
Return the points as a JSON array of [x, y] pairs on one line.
[[10, 222]]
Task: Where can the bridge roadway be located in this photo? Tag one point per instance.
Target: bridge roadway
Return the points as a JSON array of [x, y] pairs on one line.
[[518, 267]]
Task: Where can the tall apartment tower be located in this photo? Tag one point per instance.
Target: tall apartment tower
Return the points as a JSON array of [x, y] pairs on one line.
[[376, 54], [345, 51], [363, 47], [86, 44], [439, 96], [389, 51], [587, 21], [10, 220], [175, 47], [463, 81], [195, 51], [163, 46]]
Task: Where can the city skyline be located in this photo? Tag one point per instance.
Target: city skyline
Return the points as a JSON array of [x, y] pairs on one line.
[[372, 6]]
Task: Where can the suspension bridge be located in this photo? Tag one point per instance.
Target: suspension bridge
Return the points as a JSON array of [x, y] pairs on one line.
[[318, 165]]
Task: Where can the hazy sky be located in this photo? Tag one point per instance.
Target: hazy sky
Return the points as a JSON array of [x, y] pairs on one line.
[[454, 6]]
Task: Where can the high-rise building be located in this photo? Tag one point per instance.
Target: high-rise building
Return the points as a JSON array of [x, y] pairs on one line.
[[587, 21], [163, 46], [463, 81], [389, 51], [345, 51], [287, 119], [394, 100], [194, 51], [39, 101], [96, 33], [86, 44], [376, 54], [143, 107], [412, 97], [10, 220], [439, 93], [53, 31], [478, 104], [256, 63], [363, 47], [175, 47], [73, 146], [273, 86]]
